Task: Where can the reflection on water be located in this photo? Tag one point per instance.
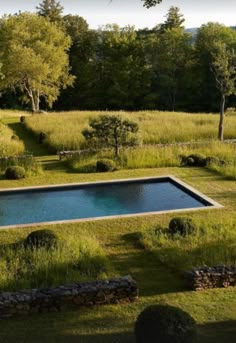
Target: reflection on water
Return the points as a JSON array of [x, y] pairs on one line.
[[93, 201]]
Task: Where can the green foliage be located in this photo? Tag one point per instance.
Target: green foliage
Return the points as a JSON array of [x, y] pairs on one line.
[[8, 146], [110, 132], [70, 260], [41, 239], [27, 161], [174, 20], [194, 160], [34, 58], [182, 226], [105, 165], [151, 3], [15, 173], [50, 9], [164, 324]]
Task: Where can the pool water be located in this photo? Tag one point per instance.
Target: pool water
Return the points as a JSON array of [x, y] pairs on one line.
[[94, 200]]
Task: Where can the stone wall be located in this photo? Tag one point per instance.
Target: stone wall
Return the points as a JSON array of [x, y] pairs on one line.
[[215, 277], [115, 291]]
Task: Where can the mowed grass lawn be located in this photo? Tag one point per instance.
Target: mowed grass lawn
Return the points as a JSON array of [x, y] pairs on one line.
[[214, 310]]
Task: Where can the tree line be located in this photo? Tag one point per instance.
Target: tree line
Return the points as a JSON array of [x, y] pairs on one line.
[[50, 59]]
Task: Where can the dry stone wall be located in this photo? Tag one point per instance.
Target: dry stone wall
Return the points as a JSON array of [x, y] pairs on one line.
[[115, 291], [215, 277]]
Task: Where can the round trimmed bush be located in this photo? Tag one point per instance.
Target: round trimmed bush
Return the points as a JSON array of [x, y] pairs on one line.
[[41, 239], [182, 226], [105, 165], [164, 324], [15, 173]]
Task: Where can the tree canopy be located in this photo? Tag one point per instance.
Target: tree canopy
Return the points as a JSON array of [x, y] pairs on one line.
[[151, 3], [50, 9], [34, 58], [174, 20]]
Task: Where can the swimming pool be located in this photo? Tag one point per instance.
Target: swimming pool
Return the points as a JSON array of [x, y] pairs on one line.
[[98, 200]]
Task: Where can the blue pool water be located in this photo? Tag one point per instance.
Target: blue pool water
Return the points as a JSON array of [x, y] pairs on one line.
[[90, 201]]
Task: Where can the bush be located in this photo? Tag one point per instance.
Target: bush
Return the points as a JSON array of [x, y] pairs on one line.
[[42, 137], [164, 324], [105, 165], [194, 160], [15, 173], [182, 226], [41, 239], [214, 160]]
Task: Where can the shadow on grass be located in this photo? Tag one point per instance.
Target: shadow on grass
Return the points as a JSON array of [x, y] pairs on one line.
[[152, 276], [217, 332], [29, 140]]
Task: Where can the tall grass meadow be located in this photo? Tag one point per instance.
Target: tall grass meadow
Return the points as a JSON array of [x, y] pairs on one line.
[[70, 261]]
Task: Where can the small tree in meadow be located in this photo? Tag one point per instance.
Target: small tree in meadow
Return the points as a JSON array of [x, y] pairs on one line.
[[111, 131]]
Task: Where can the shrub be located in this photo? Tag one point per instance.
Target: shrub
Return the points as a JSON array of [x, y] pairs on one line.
[[22, 119], [182, 226], [42, 137], [164, 324], [105, 165], [194, 160], [41, 239], [214, 160], [15, 173]]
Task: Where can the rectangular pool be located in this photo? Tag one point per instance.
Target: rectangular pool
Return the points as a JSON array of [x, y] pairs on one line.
[[73, 202]]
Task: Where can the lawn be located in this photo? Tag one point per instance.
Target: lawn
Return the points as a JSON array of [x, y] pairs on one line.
[[214, 310]]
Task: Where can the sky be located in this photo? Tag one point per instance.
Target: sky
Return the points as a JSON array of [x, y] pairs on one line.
[[131, 12]]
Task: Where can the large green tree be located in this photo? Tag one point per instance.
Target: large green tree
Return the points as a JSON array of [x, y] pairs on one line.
[[123, 74], [82, 55], [34, 58], [171, 65]]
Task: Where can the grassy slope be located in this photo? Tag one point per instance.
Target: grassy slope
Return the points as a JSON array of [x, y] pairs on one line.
[[214, 310]]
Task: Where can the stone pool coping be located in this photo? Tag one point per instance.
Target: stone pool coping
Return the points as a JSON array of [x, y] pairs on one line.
[[177, 182]]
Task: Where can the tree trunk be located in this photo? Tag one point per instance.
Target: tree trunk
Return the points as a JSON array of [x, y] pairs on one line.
[[33, 104], [221, 122], [36, 100], [117, 151]]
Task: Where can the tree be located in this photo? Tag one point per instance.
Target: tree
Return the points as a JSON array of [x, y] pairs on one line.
[[214, 42], [173, 56], [111, 131], [174, 20], [151, 3], [224, 69], [34, 58], [82, 56], [50, 9], [123, 74]]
